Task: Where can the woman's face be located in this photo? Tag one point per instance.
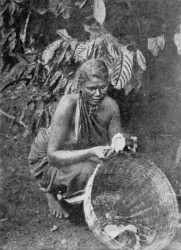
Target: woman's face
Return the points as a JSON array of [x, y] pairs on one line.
[[94, 91]]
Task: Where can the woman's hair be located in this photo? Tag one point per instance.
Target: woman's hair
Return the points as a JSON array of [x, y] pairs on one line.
[[89, 69]]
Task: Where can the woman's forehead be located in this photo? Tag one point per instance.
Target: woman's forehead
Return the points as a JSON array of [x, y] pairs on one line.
[[96, 81]]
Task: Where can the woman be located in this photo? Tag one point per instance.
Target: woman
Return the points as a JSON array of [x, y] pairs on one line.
[[83, 127]]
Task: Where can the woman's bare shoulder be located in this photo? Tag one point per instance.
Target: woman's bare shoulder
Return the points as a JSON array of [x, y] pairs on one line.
[[67, 101], [65, 107], [110, 104]]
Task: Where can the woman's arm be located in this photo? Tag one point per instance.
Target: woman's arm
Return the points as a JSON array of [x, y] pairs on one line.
[[115, 122], [65, 157], [117, 139]]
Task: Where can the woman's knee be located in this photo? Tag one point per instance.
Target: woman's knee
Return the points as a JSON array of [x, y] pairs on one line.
[[85, 167]]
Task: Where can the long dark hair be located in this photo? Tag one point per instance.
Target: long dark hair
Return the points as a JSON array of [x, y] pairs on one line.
[[89, 69]]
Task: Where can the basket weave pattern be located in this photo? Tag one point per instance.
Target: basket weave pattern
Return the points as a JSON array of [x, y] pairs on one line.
[[133, 191]]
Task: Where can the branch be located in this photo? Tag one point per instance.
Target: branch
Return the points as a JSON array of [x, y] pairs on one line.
[[13, 118]]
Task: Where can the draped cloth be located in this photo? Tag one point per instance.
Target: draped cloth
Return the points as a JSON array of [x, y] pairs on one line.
[[88, 132]]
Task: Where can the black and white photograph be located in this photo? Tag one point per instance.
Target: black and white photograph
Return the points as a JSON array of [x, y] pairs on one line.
[[90, 124]]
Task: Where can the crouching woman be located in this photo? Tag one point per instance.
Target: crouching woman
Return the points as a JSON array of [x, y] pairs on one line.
[[63, 157]]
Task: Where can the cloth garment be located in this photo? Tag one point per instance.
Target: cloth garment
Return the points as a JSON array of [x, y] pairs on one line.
[[88, 129], [88, 132]]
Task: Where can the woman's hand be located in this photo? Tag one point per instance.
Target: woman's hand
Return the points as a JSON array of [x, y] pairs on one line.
[[103, 152]]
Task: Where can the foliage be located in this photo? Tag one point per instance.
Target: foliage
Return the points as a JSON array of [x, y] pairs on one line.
[[103, 46], [99, 15], [44, 60], [20, 57]]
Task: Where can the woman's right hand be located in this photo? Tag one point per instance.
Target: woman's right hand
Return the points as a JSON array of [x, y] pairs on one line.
[[103, 152]]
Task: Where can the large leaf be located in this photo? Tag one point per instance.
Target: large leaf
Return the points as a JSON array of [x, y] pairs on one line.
[[141, 60], [55, 78], [14, 75], [106, 45], [80, 3], [84, 51], [161, 41], [177, 41], [67, 49], [155, 44], [24, 30], [113, 50], [95, 31], [135, 82], [99, 11], [63, 33], [62, 83], [122, 71], [103, 53], [80, 51], [73, 46], [12, 41], [107, 51], [63, 52], [49, 52]]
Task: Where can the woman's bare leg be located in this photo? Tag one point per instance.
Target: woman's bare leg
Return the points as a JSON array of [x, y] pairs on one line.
[[79, 173], [55, 207]]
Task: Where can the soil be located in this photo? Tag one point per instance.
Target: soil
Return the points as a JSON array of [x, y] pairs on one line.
[[153, 115]]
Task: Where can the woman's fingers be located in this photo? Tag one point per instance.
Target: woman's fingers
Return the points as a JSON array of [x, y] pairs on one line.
[[59, 214], [110, 153], [104, 152]]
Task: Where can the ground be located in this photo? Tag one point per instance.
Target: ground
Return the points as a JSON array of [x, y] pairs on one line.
[[154, 118]]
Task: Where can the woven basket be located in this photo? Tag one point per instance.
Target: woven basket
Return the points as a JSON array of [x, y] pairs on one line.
[[131, 192]]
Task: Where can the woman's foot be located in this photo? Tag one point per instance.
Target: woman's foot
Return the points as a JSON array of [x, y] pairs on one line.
[[55, 207]]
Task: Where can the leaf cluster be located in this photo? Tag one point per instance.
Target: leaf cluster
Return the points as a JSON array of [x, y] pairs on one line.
[[121, 59], [47, 73]]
